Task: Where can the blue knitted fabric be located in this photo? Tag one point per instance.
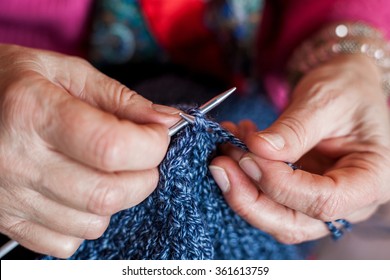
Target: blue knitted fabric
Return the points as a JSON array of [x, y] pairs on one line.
[[186, 217]]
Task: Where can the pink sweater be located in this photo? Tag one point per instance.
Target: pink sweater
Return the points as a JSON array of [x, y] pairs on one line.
[[58, 25], [62, 25], [297, 20]]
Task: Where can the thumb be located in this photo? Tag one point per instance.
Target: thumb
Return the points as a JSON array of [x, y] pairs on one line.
[[99, 139], [293, 134]]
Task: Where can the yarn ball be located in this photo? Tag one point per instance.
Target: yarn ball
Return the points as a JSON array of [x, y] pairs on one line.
[[186, 217]]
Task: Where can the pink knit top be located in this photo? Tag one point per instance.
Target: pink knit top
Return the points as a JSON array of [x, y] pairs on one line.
[[58, 25], [298, 19], [62, 25]]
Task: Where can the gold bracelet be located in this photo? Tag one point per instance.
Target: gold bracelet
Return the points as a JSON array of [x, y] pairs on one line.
[[342, 38]]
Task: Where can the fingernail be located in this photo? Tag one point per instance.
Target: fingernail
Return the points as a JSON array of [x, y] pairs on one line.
[[250, 167], [220, 178], [275, 140], [165, 109]]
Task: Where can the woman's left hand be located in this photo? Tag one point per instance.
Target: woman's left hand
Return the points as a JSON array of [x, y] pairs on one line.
[[337, 129]]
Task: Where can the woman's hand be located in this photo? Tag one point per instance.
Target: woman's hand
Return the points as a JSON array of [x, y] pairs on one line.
[[75, 148], [337, 129]]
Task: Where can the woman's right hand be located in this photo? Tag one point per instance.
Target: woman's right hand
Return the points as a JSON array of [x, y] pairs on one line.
[[75, 148]]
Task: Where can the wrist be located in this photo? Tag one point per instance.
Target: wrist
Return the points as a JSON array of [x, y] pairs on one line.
[[342, 40]]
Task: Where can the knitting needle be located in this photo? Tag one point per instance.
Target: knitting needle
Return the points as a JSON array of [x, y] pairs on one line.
[[205, 108], [209, 105], [190, 119], [8, 247]]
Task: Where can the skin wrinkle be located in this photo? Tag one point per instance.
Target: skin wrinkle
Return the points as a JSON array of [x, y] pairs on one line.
[[291, 236], [330, 208], [18, 230], [244, 211], [77, 90], [30, 203], [298, 129], [50, 120], [124, 97], [104, 150], [281, 186], [95, 228], [325, 207], [25, 176], [103, 199]]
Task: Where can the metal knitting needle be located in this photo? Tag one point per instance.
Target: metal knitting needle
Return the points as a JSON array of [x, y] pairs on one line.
[[8, 247], [209, 105], [186, 119], [190, 119]]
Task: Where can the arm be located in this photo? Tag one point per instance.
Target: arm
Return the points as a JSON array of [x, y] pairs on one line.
[[336, 126], [288, 23]]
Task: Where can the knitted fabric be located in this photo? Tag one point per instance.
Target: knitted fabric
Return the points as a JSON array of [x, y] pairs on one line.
[[186, 217]]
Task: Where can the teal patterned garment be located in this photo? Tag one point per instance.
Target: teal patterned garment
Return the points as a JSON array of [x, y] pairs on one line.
[[235, 23], [120, 33]]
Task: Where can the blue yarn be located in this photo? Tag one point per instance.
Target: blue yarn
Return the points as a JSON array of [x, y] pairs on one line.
[[336, 232], [186, 217]]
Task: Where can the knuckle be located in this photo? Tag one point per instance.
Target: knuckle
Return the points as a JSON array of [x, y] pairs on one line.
[[292, 236], [326, 207], [122, 96], [17, 230], [14, 98], [278, 187], [141, 187], [96, 227], [126, 96], [147, 146], [107, 149], [244, 211], [20, 105], [105, 199], [150, 179], [75, 60], [66, 248], [158, 145], [297, 128], [247, 210]]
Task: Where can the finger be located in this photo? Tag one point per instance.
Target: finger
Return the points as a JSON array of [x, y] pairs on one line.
[[42, 240], [326, 197], [240, 131], [246, 127], [295, 132], [85, 189], [115, 98], [99, 139], [38, 209], [242, 195], [229, 149], [85, 82], [231, 127]]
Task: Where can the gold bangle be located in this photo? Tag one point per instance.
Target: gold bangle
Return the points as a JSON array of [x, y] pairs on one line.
[[342, 38]]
